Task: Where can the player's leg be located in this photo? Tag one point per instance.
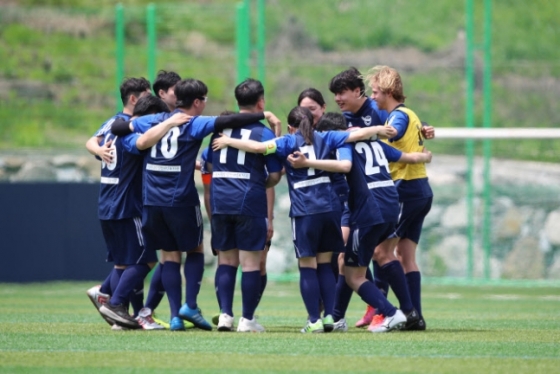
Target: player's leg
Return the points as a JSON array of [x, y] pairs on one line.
[[251, 237], [343, 292], [359, 252]]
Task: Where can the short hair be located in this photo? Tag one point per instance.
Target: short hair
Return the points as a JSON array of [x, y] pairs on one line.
[[313, 94], [165, 80], [133, 86], [188, 90], [347, 80], [388, 80], [249, 92], [331, 121], [149, 104]]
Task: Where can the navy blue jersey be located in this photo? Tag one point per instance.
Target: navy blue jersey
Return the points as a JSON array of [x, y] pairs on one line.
[[338, 179], [204, 163], [239, 177], [120, 193], [311, 190], [373, 198], [168, 178], [368, 115]]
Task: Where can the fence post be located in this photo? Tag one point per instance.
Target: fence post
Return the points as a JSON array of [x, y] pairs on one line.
[[151, 33], [469, 117], [119, 52], [243, 46]]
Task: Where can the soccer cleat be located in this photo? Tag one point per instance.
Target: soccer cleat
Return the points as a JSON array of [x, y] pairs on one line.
[[249, 325], [368, 316], [316, 327], [395, 322], [176, 324], [216, 319], [376, 321], [116, 327], [145, 320], [419, 326], [340, 326], [195, 317], [160, 321], [412, 318], [225, 322], [328, 323], [98, 298], [120, 315]]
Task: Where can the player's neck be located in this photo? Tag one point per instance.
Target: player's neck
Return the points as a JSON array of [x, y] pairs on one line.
[[191, 111], [358, 104], [127, 110], [392, 104]]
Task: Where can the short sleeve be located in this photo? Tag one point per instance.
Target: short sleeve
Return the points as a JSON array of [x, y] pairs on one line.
[[399, 121], [202, 126], [391, 153]]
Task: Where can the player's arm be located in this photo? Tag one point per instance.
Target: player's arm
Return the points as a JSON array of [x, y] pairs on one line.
[[273, 179], [103, 152], [298, 161], [270, 197], [122, 127], [250, 146], [153, 135], [423, 157], [366, 133]]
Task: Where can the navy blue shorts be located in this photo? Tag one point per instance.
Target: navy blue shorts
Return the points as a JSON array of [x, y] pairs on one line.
[[172, 228], [317, 233], [235, 231], [362, 242], [125, 242], [411, 218]]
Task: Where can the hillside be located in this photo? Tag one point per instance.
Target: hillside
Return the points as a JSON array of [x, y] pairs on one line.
[[57, 77]]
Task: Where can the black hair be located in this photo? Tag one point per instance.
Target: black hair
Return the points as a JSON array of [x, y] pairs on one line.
[[249, 92], [302, 119], [165, 80], [188, 90], [331, 121], [149, 104], [312, 93], [133, 86], [347, 80]]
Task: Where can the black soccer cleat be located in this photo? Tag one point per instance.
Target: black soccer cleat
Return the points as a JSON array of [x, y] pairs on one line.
[[419, 326], [119, 314], [412, 318]]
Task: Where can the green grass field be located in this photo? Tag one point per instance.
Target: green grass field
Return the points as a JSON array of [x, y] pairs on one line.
[[53, 327]]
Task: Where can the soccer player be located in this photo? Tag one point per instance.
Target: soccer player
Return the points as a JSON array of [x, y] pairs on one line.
[[164, 87], [373, 203], [239, 211], [415, 193], [312, 99], [120, 203], [171, 218]]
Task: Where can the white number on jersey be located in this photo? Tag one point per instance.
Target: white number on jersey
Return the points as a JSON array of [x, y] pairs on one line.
[[168, 143], [310, 151], [113, 163], [374, 156], [245, 135]]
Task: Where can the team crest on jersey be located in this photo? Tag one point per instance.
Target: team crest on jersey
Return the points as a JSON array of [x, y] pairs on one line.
[[367, 120]]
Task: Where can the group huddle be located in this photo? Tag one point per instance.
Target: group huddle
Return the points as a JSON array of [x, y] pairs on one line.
[[358, 190]]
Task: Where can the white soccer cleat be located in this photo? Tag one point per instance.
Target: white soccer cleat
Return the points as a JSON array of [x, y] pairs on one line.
[[395, 322], [146, 320], [249, 325], [97, 297], [225, 322], [340, 326]]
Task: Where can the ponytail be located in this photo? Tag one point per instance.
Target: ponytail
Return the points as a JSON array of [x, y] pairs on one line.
[[302, 119]]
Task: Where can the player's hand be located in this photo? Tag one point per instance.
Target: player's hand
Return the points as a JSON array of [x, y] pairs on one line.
[[269, 230], [274, 122], [179, 118], [297, 160], [106, 152], [387, 132], [428, 131], [428, 155], [220, 143]]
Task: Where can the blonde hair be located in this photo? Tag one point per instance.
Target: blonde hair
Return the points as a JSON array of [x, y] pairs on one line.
[[388, 80]]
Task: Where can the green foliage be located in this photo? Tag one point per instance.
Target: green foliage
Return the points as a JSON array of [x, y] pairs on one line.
[[68, 49], [470, 329]]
